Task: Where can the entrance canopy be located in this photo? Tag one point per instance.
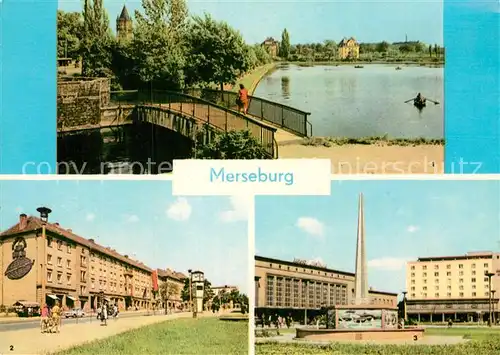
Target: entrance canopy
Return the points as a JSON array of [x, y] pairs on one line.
[[27, 304], [71, 298], [54, 297]]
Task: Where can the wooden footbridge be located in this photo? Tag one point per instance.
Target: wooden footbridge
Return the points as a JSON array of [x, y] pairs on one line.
[[207, 111]]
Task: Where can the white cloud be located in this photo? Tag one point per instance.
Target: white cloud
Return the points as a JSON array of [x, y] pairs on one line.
[[180, 210], [389, 264], [90, 217], [412, 229], [240, 207], [311, 226], [132, 218]]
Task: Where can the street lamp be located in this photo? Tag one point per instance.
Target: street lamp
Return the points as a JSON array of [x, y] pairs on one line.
[[493, 305], [44, 217], [404, 305], [44, 214], [190, 290], [489, 275]]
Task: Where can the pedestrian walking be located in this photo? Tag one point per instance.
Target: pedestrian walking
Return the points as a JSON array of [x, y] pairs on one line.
[[56, 317]]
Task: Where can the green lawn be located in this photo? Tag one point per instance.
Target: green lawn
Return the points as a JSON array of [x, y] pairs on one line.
[[484, 342], [181, 336], [250, 80], [467, 333]]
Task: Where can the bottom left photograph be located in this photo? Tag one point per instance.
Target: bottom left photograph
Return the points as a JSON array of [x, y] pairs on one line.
[[121, 267]]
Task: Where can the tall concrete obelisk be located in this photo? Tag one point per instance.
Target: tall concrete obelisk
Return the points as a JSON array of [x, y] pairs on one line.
[[361, 289]]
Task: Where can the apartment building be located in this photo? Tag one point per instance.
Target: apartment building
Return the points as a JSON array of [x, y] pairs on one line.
[[43, 262], [175, 280], [456, 287], [288, 287]]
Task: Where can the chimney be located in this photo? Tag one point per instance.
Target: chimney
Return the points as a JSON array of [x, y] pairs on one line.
[[23, 221], [126, 256], [70, 230], [57, 224], [91, 240]]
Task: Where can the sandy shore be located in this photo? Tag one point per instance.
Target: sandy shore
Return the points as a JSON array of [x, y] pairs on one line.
[[372, 159]]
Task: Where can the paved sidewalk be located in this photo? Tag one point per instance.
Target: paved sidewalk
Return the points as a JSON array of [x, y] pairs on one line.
[[31, 341]]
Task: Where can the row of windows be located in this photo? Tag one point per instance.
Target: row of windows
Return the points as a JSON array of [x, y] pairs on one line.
[[113, 263], [461, 294], [285, 292], [461, 287], [448, 273], [424, 281], [448, 266], [317, 272]]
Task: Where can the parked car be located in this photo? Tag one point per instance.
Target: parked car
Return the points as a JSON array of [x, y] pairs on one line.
[[74, 313]]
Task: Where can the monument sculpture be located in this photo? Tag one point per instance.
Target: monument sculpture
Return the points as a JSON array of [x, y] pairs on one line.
[[361, 320]]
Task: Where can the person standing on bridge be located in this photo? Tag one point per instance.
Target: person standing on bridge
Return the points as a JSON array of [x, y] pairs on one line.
[[242, 100]]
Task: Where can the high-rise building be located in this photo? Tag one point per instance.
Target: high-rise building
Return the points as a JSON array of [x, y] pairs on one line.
[[456, 287]]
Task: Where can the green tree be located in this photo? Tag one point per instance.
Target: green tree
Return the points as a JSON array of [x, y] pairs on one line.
[[262, 55], [430, 50], [232, 145], [167, 291], [284, 50], [217, 52], [382, 47], [330, 49], [95, 47], [436, 50], [69, 34], [158, 47]]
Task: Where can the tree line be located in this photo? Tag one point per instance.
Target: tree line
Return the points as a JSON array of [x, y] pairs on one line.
[[170, 49], [327, 50]]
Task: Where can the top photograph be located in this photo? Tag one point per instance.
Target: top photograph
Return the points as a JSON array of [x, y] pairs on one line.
[[140, 84]]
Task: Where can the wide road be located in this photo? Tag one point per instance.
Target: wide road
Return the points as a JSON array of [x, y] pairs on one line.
[[35, 323]]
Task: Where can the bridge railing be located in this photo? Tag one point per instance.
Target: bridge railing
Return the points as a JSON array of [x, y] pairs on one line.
[[286, 117], [220, 117]]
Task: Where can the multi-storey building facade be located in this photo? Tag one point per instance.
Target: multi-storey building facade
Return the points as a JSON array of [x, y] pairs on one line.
[[271, 46], [348, 49], [175, 281], [44, 262], [292, 286], [456, 287]]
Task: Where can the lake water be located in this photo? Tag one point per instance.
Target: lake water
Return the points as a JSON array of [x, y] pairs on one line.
[[139, 148], [359, 102]]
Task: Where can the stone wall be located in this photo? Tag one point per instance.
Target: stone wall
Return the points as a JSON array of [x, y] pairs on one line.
[[79, 101]]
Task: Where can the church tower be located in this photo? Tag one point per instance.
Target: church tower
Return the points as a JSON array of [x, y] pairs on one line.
[[124, 28]]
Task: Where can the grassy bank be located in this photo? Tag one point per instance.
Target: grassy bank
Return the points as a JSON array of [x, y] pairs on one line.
[[483, 341], [384, 141], [181, 336], [252, 79]]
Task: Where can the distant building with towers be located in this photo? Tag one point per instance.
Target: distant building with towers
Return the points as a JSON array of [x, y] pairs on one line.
[[124, 26]]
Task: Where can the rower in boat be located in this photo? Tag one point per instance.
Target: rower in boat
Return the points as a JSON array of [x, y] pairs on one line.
[[419, 101]]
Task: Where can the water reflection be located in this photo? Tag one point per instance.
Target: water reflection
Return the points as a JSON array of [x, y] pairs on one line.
[[349, 102], [141, 148], [285, 87]]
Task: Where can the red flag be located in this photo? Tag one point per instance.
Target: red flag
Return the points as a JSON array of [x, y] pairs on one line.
[[154, 275]]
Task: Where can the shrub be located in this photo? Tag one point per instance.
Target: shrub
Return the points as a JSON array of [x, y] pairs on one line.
[[232, 145]]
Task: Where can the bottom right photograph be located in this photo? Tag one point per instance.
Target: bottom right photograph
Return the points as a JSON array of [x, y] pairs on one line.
[[379, 267]]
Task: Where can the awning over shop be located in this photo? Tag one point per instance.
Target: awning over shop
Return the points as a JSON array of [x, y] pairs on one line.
[[27, 304], [71, 298], [107, 299], [54, 297]]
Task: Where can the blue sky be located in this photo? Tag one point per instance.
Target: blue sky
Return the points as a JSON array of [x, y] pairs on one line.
[[143, 220], [313, 21], [403, 220]]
